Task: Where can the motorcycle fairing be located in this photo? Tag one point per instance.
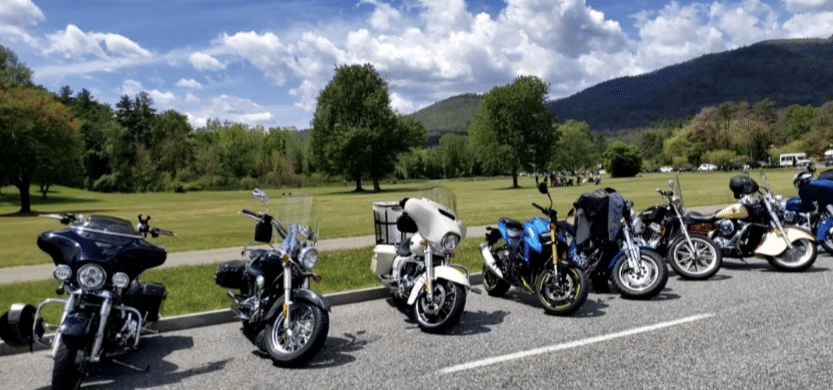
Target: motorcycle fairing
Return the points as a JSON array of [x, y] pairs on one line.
[[533, 229], [819, 190], [824, 229], [773, 244], [511, 231], [433, 219], [440, 272]]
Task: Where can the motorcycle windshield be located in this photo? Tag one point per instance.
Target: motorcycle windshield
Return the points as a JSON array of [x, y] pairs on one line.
[[296, 209], [678, 192], [441, 195], [106, 225]]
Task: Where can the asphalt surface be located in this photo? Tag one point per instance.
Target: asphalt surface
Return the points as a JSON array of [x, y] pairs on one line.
[[749, 327]]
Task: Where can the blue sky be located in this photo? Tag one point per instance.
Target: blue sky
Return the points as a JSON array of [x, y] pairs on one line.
[[264, 62]]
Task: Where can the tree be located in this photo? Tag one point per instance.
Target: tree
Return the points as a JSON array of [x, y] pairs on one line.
[[456, 159], [622, 160], [13, 71], [514, 129], [575, 149], [39, 137], [797, 120], [354, 130]]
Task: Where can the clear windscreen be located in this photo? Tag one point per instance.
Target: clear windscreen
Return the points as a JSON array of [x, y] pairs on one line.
[[678, 192], [441, 195], [296, 208]]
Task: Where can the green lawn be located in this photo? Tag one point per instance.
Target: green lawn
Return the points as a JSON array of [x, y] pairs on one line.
[[209, 219]]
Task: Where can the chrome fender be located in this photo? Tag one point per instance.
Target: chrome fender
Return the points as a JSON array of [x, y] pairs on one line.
[[442, 272], [773, 245]]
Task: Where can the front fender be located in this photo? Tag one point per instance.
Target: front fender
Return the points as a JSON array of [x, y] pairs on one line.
[[300, 295], [75, 324], [623, 253], [442, 272], [773, 245]]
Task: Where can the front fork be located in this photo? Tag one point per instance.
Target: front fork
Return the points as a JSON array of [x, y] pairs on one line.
[[555, 254], [429, 271], [287, 293], [634, 254], [104, 314]]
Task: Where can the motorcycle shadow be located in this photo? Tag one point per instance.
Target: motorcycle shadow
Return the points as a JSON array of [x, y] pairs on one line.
[[471, 322], [590, 308], [339, 351], [145, 367], [764, 266], [714, 278]]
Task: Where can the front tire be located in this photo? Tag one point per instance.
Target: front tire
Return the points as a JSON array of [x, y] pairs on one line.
[[701, 263], [797, 257], [69, 367], [444, 311], [294, 346], [494, 285], [561, 297], [827, 242], [643, 282]]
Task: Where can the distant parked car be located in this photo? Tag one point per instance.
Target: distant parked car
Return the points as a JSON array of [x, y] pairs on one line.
[[666, 169], [707, 167]]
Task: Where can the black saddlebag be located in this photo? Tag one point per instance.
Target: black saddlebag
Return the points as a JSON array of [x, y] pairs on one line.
[[146, 298], [230, 274]]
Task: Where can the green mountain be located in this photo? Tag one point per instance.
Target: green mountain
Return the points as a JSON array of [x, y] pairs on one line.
[[796, 71]]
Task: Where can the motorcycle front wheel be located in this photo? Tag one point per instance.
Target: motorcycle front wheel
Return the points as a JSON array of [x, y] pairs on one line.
[[494, 285], [444, 310], [295, 345], [644, 281], [798, 257], [561, 294], [827, 242], [69, 367], [700, 263]]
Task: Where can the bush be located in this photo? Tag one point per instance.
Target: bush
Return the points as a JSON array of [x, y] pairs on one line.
[[622, 160]]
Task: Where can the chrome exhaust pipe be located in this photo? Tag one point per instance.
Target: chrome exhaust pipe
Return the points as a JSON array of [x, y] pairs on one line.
[[486, 252]]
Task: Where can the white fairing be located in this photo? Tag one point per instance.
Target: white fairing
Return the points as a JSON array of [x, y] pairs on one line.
[[433, 221]]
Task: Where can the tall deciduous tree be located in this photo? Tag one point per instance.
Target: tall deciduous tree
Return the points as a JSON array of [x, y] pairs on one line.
[[39, 137], [574, 149], [354, 130], [12, 70], [514, 130], [622, 160]]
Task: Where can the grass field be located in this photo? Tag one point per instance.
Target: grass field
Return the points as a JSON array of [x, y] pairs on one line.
[[209, 219]]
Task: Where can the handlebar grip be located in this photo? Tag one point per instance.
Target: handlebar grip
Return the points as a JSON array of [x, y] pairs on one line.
[[249, 212], [537, 206]]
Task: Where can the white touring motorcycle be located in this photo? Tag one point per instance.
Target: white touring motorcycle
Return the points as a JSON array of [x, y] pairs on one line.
[[415, 238]]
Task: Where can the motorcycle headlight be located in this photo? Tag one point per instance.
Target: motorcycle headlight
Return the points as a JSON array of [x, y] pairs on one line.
[[308, 258], [62, 272], [450, 242], [91, 277], [121, 280]]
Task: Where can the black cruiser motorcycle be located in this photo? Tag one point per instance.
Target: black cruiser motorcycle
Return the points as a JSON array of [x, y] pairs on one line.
[[99, 261], [290, 321]]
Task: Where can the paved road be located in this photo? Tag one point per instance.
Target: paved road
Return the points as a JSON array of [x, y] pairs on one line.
[[749, 327]]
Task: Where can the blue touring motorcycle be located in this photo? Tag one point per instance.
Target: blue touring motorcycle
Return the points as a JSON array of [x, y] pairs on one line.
[[99, 261], [812, 208], [533, 256]]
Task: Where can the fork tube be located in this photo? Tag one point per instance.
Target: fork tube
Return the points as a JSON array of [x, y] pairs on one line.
[[104, 314], [429, 272], [287, 292], [68, 306], [683, 228], [553, 237], [633, 251]]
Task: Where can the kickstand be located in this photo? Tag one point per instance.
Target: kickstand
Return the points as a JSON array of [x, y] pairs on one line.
[[130, 366]]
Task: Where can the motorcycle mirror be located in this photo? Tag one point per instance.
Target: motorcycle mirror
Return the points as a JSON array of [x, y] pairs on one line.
[[572, 212], [671, 183], [261, 196], [542, 187]]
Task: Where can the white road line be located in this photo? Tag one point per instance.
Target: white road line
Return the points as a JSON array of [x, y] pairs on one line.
[[573, 344]]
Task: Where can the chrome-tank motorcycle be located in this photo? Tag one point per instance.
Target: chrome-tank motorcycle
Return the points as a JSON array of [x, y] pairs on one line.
[[98, 261]]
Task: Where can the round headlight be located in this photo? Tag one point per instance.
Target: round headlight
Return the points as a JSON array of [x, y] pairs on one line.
[[121, 280], [450, 242], [62, 272], [308, 258], [91, 277]]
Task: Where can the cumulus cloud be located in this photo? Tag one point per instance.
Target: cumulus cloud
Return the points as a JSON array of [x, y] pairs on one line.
[[75, 43], [190, 83], [15, 16], [231, 108], [803, 6], [161, 99], [810, 25], [202, 61]]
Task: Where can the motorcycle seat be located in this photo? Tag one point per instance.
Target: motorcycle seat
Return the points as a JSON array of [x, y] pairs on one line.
[[511, 223], [700, 217]]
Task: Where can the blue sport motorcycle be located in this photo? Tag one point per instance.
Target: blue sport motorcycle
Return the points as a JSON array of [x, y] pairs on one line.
[[533, 256]]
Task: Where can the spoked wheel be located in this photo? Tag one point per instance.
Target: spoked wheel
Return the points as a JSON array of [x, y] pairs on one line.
[[827, 242], [69, 368], [700, 262], [444, 310], [561, 294], [494, 285], [295, 345], [798, 256], [645, 280]]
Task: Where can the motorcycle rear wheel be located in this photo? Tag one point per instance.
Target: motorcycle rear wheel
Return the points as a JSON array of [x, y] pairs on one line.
[[494, 285], [797, 257], [308, 328], [561, 297], [643, 283], [827, 242], [445, 310], [69, 368], [704, 262]]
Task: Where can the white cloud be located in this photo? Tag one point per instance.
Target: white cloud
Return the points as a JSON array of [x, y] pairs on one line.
[[190, 83], [803, 6], [75, 43], [202, 61], [15, 16], [384, 16], [231, 108], [161, 100], [810, 25]]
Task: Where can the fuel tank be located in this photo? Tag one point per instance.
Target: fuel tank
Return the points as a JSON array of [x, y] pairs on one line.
[[735, 211]]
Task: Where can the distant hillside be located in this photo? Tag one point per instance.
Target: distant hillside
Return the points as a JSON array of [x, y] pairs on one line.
[[795, 71]]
